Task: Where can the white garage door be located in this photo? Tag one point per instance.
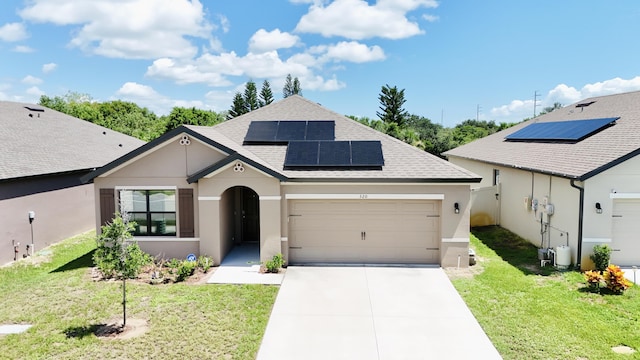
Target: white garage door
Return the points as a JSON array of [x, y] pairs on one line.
[[626, 232], [364, 231]]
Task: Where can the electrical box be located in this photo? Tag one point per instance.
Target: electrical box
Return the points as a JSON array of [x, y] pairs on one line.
[[527, 203], [534, 204], [549, 209], [545, 201]]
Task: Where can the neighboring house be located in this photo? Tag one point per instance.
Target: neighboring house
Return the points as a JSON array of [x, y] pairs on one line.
[[43, 155], [296, 178], [570, 177]]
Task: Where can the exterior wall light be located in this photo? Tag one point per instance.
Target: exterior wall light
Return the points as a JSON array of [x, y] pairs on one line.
[[456, 208], [32, 216], [598, 208]]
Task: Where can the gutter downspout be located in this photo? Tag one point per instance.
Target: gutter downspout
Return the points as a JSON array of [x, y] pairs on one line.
[[580, 221]]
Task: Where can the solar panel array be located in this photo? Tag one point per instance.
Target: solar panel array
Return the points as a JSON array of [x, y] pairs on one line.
[[561, 131], [334, 154], [282, 132]]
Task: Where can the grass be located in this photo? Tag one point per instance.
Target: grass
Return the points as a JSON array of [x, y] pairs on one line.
[[533, 313], [65, 307]]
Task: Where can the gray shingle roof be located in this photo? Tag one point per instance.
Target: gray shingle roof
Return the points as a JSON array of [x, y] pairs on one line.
[[402, 161], [45, 142], [579, 160]]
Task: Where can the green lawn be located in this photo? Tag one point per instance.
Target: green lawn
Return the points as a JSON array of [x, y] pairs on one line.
[[533, 313], [65, 306]]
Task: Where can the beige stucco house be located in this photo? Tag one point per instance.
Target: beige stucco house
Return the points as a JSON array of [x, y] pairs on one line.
[[44, 153], [567, 178], [296, 178]]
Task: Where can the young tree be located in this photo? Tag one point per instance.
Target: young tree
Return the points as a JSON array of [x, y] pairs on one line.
[[251, 96], [238, 107], [391, 101], [117, 257], [266, 96]]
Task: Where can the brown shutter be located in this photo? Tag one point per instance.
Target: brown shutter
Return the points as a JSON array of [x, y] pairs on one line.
[[185, 212], [107, 205]]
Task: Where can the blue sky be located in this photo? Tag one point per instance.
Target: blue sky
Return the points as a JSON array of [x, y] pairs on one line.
[[455, 59]]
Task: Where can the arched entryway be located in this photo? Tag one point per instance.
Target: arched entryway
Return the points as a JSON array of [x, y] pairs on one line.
[[240, 215]]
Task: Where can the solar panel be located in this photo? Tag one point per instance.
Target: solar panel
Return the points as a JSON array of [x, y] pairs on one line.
[[261, 132], [321, 130], [366, 153], [302, 153], [281, 132], [335, 153], [291, 130], [561, 131]]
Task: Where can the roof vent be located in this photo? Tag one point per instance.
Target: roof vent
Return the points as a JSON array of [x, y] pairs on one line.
[[583, 105], [34, 109]]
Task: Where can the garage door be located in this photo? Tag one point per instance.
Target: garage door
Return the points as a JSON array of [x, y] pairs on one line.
[[626, 227], [364, 231]]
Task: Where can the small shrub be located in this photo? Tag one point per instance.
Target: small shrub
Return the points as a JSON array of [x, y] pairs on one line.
[[173, 265], [186, 269], [205, 263], [601, 256], [615, 280], [274, 265], [593, 279]]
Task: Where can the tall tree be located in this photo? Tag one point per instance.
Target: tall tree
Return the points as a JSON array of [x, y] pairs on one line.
[[391, 101], [548, 109], [251, 96], [192, 116], [238, 107], [297, 90], [287, 89], [266, 95]]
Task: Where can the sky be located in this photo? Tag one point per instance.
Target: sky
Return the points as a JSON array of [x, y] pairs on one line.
[[455, 60]]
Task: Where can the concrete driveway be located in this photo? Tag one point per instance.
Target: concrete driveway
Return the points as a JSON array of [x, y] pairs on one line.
[[371, 313]]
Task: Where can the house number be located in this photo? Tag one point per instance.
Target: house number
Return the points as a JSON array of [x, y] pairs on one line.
[[363, 196]]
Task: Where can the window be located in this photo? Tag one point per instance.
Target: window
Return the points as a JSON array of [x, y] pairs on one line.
[[153, 211], [496, 176]]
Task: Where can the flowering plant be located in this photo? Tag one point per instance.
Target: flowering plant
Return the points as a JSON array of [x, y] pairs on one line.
[[593, 279], [615, 280]]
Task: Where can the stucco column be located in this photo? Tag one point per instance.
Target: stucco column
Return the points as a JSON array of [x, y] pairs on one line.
[[210, 227], [269, 227]]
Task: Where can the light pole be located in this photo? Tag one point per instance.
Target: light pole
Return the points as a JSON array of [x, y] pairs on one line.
[[32, 216]]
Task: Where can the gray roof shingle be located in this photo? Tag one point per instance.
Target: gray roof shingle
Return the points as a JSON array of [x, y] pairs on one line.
[[402, 162], [579, 160], [36, 143]]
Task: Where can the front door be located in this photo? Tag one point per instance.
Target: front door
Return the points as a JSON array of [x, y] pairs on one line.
[[250, 215]]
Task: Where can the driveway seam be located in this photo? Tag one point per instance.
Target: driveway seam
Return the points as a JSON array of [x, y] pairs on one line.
[[373, 318]]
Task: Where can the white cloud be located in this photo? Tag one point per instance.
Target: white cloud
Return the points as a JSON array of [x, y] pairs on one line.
[[185, 72], [23, 49], [13, 32], [214, 70], [565, 95], [264, 41], [385, 19], [133, 29], [430, 18], [31, 80], [35, 91], [47, 68], [351, 51], [146, 96]]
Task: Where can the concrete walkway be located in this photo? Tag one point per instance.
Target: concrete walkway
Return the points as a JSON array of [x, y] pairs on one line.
[[371, 313], [632, 274], [242, 266]]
